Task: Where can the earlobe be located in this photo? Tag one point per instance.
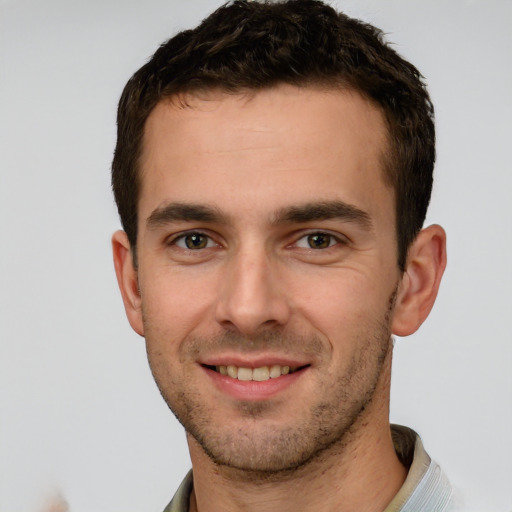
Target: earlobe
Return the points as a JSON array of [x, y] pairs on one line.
[[420, 283], [127, 280]]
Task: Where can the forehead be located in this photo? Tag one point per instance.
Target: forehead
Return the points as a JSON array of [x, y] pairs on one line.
[[284, 141]]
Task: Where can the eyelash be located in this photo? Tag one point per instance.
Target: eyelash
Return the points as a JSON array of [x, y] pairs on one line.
[[183, 236], [333, 240]]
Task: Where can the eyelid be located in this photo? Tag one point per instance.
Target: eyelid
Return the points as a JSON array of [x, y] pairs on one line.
[[338, 237], [176, 237]]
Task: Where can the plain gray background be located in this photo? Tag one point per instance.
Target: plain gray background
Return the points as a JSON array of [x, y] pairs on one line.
[[79, 412]]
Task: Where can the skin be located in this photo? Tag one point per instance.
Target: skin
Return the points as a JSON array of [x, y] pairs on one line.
[[255, 180]]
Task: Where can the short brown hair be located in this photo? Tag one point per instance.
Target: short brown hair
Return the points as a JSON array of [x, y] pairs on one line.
[[255, 45]]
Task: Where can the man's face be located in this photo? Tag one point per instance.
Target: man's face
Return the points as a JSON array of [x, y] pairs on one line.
[[266, 241]]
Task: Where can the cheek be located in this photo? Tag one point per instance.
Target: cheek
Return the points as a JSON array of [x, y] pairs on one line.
[[175, 304], [348, 306], [336, 295]]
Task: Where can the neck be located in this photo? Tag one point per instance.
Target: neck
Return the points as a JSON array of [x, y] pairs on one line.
[[360, 472]]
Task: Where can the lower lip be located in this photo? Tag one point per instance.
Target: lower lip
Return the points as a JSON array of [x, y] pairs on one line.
[[252, 390]]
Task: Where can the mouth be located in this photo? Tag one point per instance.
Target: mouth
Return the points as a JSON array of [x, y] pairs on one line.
[[260, 374]]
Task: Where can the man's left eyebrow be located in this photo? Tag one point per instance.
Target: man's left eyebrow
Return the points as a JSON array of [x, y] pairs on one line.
[[179, 212], [324, 210]]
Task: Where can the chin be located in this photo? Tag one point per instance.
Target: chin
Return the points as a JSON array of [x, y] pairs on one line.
[[258, 446]]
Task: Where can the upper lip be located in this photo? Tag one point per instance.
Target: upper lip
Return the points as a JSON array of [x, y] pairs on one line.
[[243, 361]]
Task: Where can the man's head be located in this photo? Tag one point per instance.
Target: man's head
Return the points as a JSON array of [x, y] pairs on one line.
[[250, 46], [257, 171]]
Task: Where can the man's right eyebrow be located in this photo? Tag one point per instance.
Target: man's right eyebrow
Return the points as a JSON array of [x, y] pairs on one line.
[[179, 212]]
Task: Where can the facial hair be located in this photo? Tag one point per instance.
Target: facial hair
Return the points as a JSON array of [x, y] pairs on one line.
[[258, 440]]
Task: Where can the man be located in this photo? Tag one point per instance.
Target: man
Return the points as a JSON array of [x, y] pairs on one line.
[[272, 172]]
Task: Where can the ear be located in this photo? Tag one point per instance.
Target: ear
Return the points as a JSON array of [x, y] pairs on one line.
[[127, 280], [426, 261]]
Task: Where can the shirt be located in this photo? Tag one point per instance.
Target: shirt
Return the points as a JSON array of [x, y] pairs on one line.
[[426, 488]]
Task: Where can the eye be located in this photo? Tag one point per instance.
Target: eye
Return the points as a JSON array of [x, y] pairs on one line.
[[317, 241], [194, 241]]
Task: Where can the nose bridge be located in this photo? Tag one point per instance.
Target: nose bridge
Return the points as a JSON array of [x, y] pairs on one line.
[[250, 295]]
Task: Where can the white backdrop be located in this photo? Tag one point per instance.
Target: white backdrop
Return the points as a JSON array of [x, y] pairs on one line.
[[79, 412]]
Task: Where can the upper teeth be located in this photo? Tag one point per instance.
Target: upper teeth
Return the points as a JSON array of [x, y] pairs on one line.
[[258, 374]]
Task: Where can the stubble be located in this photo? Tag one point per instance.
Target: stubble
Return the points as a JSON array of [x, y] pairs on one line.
[[259, 443]]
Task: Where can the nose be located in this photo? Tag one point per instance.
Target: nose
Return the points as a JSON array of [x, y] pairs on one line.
[[252, 295]]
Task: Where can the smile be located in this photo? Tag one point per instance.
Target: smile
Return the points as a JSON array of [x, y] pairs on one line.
[[260, 374], [254, 383]]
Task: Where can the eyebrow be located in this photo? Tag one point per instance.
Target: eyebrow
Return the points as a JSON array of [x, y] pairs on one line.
[[308, 212], [325, 210], [176, 212]]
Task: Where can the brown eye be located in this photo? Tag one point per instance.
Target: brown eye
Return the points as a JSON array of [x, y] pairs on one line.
[[319, 240], [194, 241]]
